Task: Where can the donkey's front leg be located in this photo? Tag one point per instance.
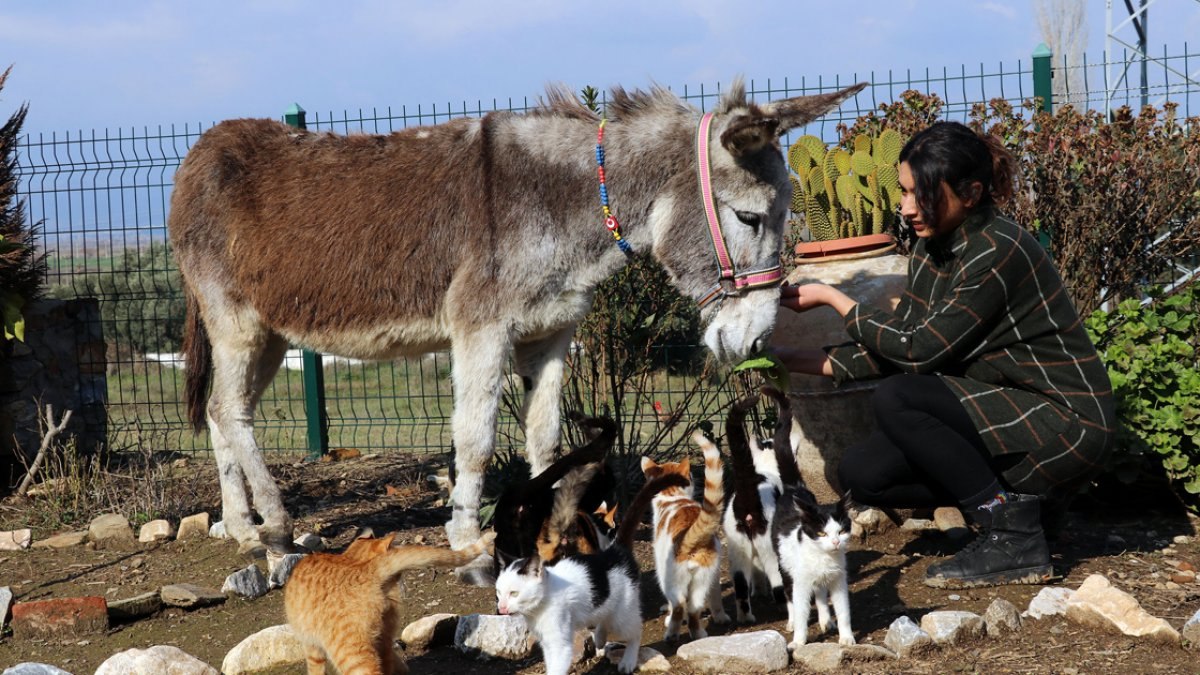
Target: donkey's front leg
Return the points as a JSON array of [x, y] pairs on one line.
[[540, 365], [477, 368]]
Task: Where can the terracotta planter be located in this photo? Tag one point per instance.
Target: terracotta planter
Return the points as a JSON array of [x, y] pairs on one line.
[[827, 420], [847, 248]]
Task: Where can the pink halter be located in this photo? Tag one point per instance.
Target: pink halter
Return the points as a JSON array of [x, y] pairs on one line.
[[729, 283]]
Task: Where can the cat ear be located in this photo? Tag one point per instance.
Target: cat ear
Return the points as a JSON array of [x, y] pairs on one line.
[[533, 567], [610, 516], [647, 464]]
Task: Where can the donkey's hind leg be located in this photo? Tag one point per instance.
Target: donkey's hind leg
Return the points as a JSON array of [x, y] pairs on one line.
[[478, 372], [540, 365], [243, 364]]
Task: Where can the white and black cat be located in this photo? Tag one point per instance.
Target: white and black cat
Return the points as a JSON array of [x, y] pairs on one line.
[[753, 563], [810, 541], [600, 590]]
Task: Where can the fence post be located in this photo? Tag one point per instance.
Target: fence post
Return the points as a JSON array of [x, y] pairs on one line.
[[1043, 72], [317, 420]]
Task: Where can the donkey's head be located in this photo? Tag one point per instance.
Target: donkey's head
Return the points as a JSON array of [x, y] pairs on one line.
[[733, 269]]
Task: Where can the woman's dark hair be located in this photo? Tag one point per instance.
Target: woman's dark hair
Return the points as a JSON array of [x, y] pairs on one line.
[[952, 152]]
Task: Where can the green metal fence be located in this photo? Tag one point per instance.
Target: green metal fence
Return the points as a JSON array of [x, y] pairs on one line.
[[102, 197]]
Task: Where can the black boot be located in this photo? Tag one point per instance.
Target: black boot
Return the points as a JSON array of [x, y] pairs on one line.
[[1010, 550]]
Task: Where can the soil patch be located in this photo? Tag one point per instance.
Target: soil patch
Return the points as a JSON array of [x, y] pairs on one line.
[[1133, 546]]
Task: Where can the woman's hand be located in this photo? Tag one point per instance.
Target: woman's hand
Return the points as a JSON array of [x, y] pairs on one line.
[[807, 296]]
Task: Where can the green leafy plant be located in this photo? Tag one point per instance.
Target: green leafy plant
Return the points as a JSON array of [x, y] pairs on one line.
[[1153, 360]]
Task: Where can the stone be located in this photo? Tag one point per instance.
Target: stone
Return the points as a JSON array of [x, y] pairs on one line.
[[60, 618], [494, 635], [195, 525], [249, 583], [34, 669], [1050, 601], [1097, 603], [110, 530], [137, 607], [311, 542], [649, 660], [6, 596], [16, 540], [918, 524], [217, 531], [950, 520], [157, 660], [952, 627], [761, 651], [273, 647], [872, 521], [1001, 618], [907, 639], [1191, 629], [155, 530], [190, 596], [281, 567], [435, 630], [831, 656], [62, 540]]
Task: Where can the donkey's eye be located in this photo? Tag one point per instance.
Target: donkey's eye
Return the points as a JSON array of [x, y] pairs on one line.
[[749, 218]]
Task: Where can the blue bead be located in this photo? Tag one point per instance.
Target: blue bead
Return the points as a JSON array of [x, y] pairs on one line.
[[624, 246]]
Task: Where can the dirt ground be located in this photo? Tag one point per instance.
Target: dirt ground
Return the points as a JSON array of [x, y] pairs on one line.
[[1120, 535]]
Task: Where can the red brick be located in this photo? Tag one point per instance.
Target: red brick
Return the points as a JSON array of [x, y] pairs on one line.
[[63, 617]]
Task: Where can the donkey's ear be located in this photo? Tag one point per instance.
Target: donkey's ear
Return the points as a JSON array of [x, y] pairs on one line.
[[748, 133], [794, 112]]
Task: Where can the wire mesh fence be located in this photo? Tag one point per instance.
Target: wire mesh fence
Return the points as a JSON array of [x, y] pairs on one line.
[[102, 198]]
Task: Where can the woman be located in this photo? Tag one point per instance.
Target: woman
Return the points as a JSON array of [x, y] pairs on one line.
[[995, 399]]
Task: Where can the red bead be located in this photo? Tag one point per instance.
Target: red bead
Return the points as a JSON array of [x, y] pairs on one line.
[[601, 174], [611, 223]]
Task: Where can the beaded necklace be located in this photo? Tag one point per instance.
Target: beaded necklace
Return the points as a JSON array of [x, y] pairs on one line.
[[610, 221]]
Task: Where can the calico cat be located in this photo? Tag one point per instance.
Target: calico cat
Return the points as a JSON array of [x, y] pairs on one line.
[[687, 552], [600, 590], [535, 517], [747, 522], [810, 542], [344, 607]]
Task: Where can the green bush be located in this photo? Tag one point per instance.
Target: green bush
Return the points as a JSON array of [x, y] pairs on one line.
[[1153, 360]]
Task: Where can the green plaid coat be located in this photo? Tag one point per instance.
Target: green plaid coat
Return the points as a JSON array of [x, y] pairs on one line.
[[986, 310]]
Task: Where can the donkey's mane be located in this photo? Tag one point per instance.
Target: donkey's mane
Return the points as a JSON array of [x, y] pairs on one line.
[[623, 104]]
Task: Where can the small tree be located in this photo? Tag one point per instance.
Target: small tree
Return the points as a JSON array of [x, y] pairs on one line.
[[22, 269]]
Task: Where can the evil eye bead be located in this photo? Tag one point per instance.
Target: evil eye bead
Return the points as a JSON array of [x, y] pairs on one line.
[[611, 223]]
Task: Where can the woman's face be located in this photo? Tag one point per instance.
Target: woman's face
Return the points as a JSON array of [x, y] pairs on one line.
[[950, 212]]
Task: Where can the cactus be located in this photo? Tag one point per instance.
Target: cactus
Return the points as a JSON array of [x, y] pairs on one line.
[[846, 193]]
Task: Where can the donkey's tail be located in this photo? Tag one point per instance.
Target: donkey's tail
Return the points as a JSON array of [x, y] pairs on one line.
[[197, 352]]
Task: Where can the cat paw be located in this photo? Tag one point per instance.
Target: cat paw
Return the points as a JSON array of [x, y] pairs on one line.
[[746, 618], [846, 640], [722, 618], [699, 633], [794, 645], [824, 625]]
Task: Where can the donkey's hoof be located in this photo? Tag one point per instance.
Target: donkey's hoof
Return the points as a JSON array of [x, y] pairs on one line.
[[253, 550], [279, 542]]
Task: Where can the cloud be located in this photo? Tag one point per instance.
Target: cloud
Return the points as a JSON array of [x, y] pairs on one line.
[[1002, 9]]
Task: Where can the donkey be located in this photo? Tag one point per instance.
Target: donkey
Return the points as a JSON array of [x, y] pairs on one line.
[[484, 235]]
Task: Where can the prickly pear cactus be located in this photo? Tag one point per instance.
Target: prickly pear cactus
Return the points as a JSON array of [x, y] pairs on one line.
[[846, 193]]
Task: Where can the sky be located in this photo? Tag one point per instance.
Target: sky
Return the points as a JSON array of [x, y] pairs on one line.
[[86, 65]]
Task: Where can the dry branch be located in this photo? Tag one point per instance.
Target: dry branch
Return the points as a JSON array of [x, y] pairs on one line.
[[52, 430]]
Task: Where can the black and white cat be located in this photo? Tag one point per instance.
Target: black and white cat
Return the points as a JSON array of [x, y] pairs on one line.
[[600, 590], [811, 542], [753, 563]]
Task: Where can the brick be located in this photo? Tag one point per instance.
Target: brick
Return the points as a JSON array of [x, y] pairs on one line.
[[62, 617]]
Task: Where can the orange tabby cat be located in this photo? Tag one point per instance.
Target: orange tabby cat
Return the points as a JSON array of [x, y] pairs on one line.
[[344, 607]]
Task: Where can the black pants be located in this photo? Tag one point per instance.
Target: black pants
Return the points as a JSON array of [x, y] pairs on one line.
[[926, 451]]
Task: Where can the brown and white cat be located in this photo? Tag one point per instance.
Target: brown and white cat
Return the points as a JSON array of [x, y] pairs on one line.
[[687, 552], [343, 607]]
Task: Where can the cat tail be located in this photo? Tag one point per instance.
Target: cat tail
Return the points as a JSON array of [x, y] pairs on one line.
[[641, 502], [708, 523], [594, 450], [402, 558], [789, 472], [566, 500], [747, 505]]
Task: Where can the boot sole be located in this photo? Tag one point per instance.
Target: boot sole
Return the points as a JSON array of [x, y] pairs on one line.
[[1041, 574]]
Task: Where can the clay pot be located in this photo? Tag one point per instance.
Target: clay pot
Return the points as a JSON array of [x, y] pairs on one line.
[[827, 419]]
